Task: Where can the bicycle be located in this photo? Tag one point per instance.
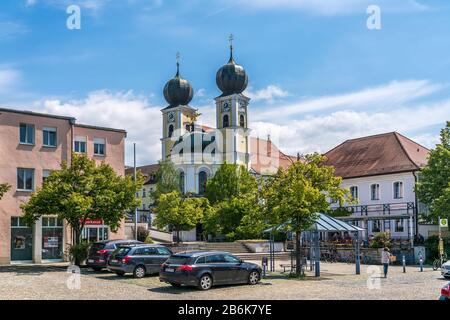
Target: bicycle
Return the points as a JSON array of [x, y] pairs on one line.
[[437, 263]]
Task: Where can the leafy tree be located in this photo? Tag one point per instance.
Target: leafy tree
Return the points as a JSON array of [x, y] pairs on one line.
[[82, 191], [4, 188], [236, 213], [294, 196], [433, 188], [167, 179], [183, 213]]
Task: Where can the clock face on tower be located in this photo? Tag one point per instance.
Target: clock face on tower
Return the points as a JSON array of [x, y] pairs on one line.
[[171, 117], [225, 107]]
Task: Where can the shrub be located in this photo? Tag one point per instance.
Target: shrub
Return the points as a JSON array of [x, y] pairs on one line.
[[381, 240], [149, 240], [431, 247], [78, 253], [142, 234]]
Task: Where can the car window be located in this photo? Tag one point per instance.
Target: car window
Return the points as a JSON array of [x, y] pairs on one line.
[[231, 259], [178, 260], [217, 258], [97, 246], [139, 252], [201, 260], [151, 251], [163, 251]]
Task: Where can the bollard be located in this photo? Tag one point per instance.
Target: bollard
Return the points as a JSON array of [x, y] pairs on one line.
[[404, 263], [264, 266], [421, 264]]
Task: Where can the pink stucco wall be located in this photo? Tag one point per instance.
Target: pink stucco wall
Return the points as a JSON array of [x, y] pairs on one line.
[[13, 155]]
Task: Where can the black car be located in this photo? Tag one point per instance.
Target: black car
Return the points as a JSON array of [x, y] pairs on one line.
[[99, 252], [139, 259], [205, 269]]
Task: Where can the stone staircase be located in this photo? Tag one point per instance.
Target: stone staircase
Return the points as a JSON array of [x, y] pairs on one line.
[[232, 247]]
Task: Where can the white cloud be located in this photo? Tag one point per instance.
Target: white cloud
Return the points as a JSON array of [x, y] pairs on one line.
[[9, 80], [268, 94], [121, 110], [321, 133], [387, 96], [30, 3], [331, 7]]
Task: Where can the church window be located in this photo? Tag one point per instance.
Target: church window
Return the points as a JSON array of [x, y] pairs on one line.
[[202, 178], [242, 120], [170, 131], [226, 121]]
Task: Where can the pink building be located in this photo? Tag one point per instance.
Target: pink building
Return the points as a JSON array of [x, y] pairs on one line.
[[31, 146]]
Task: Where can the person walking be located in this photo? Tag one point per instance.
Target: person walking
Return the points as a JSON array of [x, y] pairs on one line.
[[385, 259]]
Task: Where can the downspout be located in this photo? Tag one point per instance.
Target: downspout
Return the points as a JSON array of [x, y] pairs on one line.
[[416, 208]]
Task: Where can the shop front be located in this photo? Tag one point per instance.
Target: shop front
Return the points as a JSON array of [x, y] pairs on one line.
[[52, 239], [94, 230], [21, 241]]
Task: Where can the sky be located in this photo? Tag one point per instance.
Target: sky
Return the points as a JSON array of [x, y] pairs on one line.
[[317, 74]]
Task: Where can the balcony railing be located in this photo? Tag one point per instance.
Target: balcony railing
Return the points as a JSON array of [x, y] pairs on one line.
[[404, 209]]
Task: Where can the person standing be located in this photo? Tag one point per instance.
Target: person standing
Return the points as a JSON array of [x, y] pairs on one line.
[[385, 259]]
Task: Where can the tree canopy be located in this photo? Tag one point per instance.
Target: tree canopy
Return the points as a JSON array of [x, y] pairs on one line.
[[183, 213], [167, 180], [84, 190], [236, 212], [295, 195], [4, 188], [433, 187]]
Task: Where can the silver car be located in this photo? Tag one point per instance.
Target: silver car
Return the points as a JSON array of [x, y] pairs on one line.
[[445, 270]]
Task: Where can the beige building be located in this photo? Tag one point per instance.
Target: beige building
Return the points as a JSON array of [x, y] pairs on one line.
[[31, 146]]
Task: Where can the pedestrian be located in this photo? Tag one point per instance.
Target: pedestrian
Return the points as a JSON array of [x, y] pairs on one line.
[[385, 259]]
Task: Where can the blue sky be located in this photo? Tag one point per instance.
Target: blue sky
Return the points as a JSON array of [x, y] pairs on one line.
[[317, 74]]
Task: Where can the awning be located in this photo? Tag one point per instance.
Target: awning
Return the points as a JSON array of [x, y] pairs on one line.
[[323, 223]]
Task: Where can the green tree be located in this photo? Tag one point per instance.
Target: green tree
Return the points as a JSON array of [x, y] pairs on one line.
[[167, 180], [4, 188], [433, 188], [233, 193], [82, 191], [294, 196], [183, 213]]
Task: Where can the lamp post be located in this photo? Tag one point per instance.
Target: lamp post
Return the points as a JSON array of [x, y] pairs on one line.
[[135, 209]]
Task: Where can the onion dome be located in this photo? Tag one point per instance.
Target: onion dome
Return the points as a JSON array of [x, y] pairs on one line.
[[231, 78], [178, 91]]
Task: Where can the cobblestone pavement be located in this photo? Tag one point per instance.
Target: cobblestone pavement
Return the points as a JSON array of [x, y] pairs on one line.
[[338, 281]]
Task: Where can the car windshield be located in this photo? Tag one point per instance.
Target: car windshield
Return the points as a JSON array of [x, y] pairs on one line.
[[178, 260]]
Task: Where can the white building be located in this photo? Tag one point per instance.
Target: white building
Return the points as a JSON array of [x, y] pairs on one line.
[[381, 172]]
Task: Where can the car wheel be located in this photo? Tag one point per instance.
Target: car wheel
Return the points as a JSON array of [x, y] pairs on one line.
[[120, 273], [253, 277], [139, 272], [97, 269], [176, 285], [205, 282]]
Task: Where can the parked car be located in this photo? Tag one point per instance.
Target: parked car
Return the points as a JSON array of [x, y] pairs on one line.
[[445, 292], [99, 252], [445, 270], [139, 260], [205, 269]]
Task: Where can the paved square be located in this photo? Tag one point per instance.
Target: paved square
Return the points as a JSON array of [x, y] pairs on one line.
[[338, 281]]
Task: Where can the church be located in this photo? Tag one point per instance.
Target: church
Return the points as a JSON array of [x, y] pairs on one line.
[[196, 150], [380, 170]]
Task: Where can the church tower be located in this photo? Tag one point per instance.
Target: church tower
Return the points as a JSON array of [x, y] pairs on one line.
[[178, 116], [232, 113]]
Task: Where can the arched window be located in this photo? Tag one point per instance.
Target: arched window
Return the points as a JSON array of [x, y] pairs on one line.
[[202, 178], [188, 127], [170, 130], [182, 182], [242, 120], [226, 121]]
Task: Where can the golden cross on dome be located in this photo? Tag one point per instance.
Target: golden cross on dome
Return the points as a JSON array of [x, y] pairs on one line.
[[178, 64], [231, 38]]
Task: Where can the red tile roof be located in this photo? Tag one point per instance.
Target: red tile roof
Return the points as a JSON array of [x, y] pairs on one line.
[[266, 158], [148, 172], [378, 154]]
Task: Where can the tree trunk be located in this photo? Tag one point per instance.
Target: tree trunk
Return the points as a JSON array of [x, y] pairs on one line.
[[178, 235], [77, 259], [298, 254]]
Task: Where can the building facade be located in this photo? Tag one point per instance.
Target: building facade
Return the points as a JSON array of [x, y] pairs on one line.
[[381, 171], [31, 146]]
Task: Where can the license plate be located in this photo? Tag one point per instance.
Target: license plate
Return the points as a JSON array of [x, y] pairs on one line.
[[170, 270], [91, 260], [114, 260]]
